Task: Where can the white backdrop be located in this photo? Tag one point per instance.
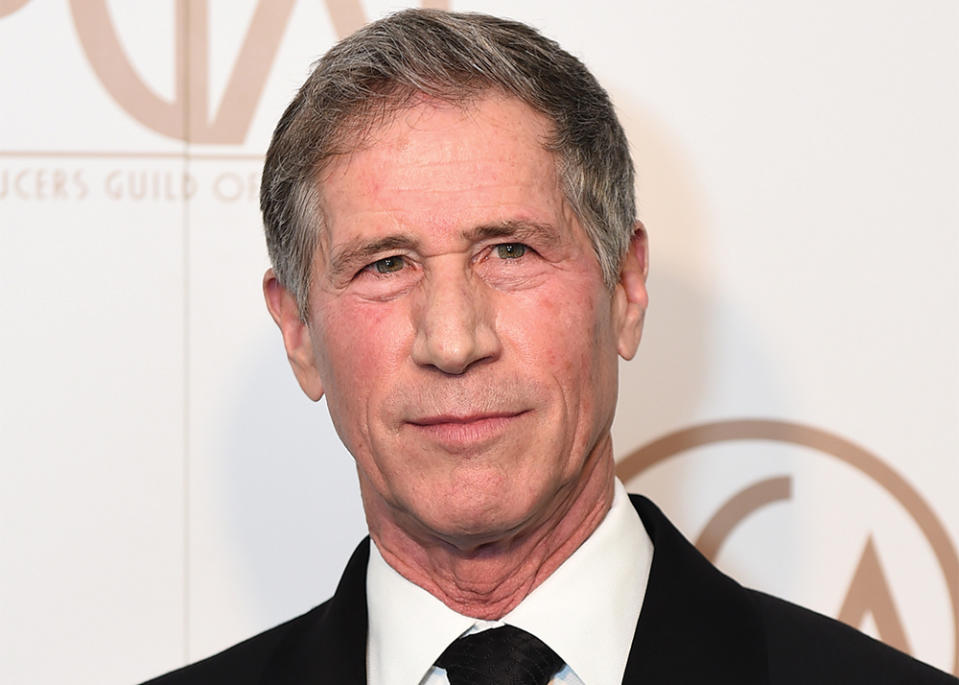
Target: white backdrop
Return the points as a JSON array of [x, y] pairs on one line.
[[165, 489]]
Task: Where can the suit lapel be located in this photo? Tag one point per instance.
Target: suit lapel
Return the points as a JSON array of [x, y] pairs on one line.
[[697, 625], [329, 644]]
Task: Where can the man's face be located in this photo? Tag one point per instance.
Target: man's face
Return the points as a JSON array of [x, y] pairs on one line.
[[460, 327]]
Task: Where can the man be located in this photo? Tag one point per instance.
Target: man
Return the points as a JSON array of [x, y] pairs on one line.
[[457, 267]]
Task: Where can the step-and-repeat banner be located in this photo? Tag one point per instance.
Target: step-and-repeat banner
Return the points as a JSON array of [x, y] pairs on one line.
[[166, 490]]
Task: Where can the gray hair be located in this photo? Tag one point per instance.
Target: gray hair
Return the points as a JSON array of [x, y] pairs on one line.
[[452, 57]]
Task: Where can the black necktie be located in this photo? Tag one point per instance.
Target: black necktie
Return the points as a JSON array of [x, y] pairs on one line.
[[499, 656]]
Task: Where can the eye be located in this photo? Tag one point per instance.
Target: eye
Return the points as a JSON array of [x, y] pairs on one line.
[[388, 265], [510, 250]]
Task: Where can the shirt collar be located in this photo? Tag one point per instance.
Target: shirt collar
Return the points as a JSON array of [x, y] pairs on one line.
[[409, 628], [597, 592]]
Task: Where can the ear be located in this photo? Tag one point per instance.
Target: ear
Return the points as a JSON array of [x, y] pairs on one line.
[[296, 335], [631, 298]]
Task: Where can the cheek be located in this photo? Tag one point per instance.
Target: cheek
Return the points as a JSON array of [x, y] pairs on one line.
[[566, 330], [584, 349], [359, 348]]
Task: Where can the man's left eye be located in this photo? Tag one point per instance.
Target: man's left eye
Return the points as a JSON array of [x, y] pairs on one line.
[[388, 265], [510, 250]]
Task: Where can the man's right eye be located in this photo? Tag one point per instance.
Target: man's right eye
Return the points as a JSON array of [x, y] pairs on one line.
[[388, 265]]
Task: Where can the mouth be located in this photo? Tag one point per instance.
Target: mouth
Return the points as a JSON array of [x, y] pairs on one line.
[[457, 432]]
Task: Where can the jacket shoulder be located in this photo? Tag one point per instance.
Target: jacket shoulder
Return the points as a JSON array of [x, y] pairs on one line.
[[245, 662], [806, 647], [702, 626], [326, 644]]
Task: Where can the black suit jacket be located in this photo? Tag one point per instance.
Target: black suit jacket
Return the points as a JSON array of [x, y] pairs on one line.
[[696, 626]]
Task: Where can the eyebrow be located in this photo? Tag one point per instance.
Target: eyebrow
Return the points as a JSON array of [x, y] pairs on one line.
[[355, 254], [516, 229]]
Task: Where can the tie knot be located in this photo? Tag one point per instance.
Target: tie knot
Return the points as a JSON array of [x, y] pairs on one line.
[[499, 656]]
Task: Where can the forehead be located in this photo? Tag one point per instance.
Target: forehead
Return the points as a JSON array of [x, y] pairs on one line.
[[443, 166]]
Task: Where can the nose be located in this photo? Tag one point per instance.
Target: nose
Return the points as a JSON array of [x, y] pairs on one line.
[[454, 322]]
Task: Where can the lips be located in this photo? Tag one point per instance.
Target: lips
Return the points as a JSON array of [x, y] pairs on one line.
[[458, 419], [457, 432]]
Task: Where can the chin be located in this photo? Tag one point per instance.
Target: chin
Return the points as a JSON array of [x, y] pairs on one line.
[[475, 523]]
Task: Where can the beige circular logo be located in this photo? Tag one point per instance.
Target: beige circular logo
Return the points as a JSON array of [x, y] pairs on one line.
[[186, 116], [868, 591]]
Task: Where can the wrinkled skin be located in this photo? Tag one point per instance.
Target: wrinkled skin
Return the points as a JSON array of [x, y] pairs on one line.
[[467, 347]]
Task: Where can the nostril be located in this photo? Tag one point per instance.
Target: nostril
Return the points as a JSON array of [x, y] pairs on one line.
[[450, 350]]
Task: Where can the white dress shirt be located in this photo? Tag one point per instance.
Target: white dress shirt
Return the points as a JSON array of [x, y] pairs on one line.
[[586, 611]]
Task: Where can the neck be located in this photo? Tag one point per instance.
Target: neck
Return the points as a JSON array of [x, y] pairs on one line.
[[488, 580]]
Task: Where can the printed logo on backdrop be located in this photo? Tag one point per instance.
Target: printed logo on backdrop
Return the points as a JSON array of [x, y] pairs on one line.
[[187, 116], [869, 592]]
